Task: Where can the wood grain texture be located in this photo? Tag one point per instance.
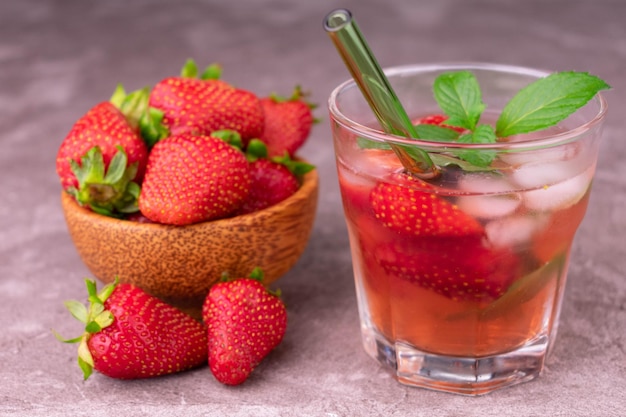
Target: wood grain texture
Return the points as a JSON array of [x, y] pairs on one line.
[[180, 263]]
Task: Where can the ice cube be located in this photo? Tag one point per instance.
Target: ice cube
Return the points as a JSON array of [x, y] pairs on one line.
[[489, 206], [541, 175], [375, 162], [514, 230], [489, 196], [564, 152], [483, 183], [559, 196]]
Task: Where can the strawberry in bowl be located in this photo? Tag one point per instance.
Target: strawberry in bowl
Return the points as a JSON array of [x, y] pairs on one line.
[[170, 187]]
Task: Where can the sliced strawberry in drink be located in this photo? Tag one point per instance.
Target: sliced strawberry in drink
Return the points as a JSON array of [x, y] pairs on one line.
[[438, 120], [409, 210], [461, 269], [436, 245]]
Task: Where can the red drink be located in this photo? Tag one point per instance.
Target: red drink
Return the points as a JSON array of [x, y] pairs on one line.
[[521, 249], [460, 279]]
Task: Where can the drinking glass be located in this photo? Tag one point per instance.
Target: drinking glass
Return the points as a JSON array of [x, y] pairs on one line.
[[475, 307]]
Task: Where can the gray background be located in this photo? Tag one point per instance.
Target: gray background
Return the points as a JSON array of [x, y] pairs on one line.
[[58, 58]]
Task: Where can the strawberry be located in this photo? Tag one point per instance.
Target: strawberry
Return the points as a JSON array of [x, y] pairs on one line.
[[190, 179], [438, 120], [206, 104], [271, 184], [245, 323], [459, 268], [130, 334], [88, 151], [273, 180], [436, 245], [288, 123], [406, 209], [106, 127]]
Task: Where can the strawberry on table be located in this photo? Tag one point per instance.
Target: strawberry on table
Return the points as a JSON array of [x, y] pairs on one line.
[[130, 334], [190, 179], [245, 323], [201, 105], [288, 123]]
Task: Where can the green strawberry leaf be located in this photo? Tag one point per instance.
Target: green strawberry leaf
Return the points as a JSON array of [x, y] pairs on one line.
[[85, 360], [232, 137], [256, 149], [117, 167], [257, 274], [77, 310], [298, 168], [459, 96], [109, 192], [190, 69], [547, 101], [151, 126], [212, 72]]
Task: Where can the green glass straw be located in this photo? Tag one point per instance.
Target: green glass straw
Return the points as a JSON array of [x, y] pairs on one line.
[[377, 90]]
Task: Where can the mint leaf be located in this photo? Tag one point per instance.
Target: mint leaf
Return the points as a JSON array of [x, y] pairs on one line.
[[371, 144], [436, 133], [446, 161], [459, 96], [479, 157], [547, 101]]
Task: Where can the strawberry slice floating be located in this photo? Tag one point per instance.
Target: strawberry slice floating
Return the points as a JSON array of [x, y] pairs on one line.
[[461, 269], [438, 120], [411, 211]]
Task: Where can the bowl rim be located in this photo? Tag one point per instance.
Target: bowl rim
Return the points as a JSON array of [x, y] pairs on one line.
[[310, 182]]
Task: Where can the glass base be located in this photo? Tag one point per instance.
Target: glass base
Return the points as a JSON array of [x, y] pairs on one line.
[[459, 375]]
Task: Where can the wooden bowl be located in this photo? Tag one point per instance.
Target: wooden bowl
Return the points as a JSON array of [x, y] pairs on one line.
[[180, 263]]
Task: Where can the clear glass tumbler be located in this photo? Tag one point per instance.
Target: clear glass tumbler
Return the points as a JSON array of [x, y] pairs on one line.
[[464, 312]]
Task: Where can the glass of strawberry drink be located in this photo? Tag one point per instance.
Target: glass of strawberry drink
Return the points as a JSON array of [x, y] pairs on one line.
[[460, 278]]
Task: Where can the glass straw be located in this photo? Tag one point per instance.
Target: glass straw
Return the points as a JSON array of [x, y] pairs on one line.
[[375, 87]]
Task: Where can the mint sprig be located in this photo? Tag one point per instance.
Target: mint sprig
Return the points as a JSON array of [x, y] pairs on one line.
[[459, 96], [547, 101], [539, 105]]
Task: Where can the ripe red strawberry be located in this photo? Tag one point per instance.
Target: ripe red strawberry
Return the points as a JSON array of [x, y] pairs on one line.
[[273, 180], [86, 154], [130, 334], [438, 120], [271, 184], [203, 105], [190, 179], [245, 323], [406, 209], [460, 268], [288, 123], [436, 245]]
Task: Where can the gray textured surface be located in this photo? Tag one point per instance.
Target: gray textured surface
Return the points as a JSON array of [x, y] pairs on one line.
[[57, 58]]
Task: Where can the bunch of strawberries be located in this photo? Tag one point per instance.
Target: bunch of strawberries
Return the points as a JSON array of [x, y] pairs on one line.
[[130, 334], [191, 149]]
